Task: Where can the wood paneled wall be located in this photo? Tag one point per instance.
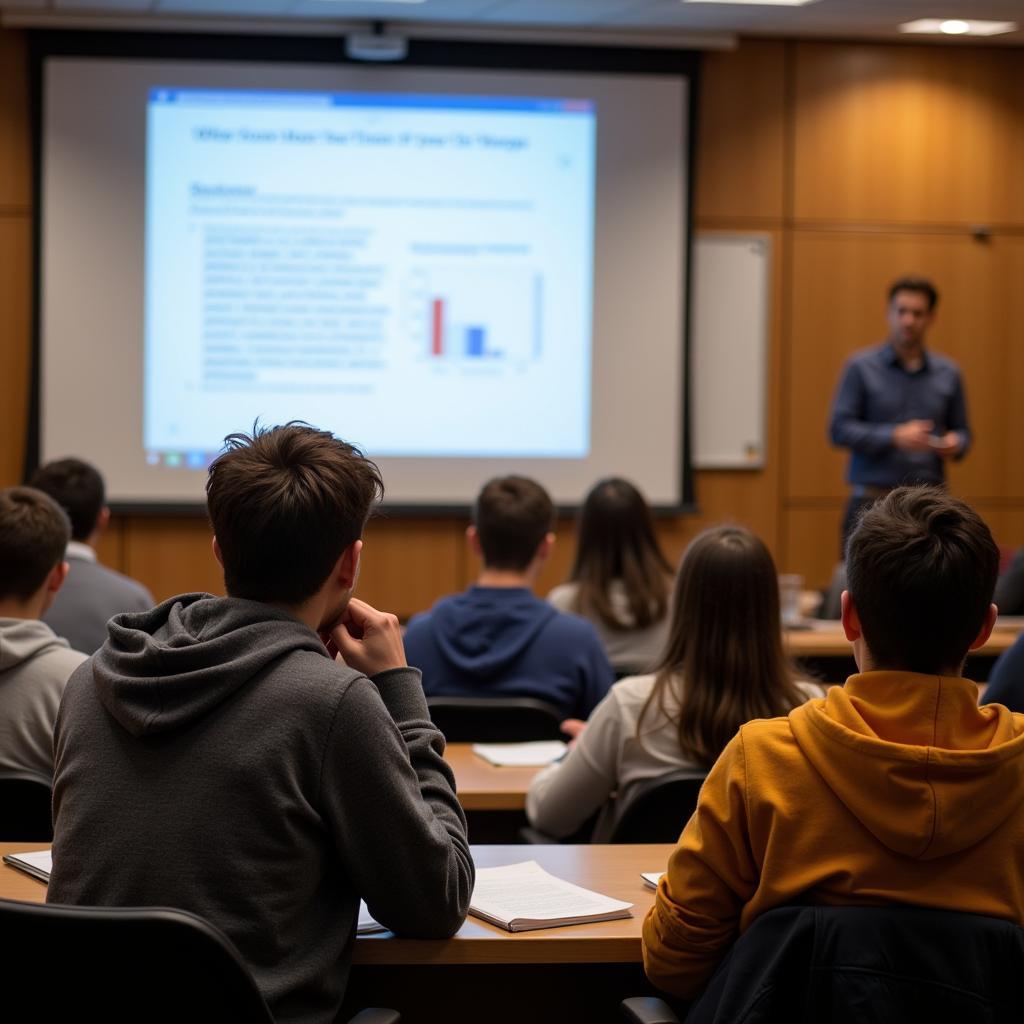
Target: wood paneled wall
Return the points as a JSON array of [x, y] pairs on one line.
[[863, 161]]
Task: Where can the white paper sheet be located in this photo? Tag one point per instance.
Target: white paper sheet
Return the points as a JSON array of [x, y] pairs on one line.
[[521, 755]]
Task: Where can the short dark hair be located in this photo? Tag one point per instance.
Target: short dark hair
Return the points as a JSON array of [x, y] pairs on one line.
[[284, 503], [911, 283], [34, 531], [77, 487], [512, 515], [922, 568]]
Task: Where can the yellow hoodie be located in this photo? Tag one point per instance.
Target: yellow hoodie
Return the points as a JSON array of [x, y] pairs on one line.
[[895, 788]]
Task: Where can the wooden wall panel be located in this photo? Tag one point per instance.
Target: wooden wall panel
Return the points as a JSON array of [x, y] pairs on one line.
[[837, 295], [408, 564], [171, 556], [905, 134], [15, 137], [810, 542], [739, 165], [15, 335]]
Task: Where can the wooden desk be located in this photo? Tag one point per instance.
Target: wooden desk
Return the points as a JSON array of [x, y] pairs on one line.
[[547, 976], [827, 640], [481, 786], [612, 870]]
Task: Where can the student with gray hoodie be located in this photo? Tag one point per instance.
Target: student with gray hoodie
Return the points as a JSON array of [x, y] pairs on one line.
[[212, 756], [34, 662]]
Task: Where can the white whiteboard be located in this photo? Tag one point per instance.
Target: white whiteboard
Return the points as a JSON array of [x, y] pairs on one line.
[[729, 349]]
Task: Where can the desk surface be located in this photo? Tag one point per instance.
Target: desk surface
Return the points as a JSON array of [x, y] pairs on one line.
[[482, 786], [612, 870], [825, 639]]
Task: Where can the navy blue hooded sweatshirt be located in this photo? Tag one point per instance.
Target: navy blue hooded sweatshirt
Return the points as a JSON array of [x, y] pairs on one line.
[[505, 642]]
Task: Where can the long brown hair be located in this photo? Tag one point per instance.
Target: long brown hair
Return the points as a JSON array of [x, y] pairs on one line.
[[616, 541], [723, 664]]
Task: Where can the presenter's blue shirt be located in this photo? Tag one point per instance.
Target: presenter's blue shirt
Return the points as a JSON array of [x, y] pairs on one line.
[[877, 393], [506, 642]]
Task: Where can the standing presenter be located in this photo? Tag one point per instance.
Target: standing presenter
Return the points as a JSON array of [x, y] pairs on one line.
[[899, 408]]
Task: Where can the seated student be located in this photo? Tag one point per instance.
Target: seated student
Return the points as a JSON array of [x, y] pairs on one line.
[[1009, 595], [34, 662], [620, 579], [894, 789], [211, 756], [497, 639], [92, 593], [1006, 680], [723, 665]]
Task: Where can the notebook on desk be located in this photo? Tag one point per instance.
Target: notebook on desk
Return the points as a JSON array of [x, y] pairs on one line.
[[38, 864], [523, 897]]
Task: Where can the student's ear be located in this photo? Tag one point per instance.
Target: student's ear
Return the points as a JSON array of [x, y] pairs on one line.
[[347, 569], [850, 618], [986, 628], [58, 574], [53, 582], [217, 553], [103, 519], [473, 540]]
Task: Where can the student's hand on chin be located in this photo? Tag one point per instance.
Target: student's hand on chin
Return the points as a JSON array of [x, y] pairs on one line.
[[368, 640]]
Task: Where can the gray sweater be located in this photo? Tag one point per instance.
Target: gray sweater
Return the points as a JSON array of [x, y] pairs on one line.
[[210, 756]]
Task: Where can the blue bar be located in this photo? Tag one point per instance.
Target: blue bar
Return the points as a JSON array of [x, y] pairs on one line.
[[247, 97], [474, 341]]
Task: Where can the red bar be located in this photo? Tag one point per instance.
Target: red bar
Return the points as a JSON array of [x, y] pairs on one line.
[[437, 335]]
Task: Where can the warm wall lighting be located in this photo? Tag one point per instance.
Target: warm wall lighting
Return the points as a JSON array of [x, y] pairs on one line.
[[754, 3], [958, 27]]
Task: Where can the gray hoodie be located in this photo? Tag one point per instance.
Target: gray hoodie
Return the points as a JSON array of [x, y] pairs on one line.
[[210, 756], [34, 666]]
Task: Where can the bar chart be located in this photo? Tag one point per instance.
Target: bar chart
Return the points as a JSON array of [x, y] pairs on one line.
[[476, 316]]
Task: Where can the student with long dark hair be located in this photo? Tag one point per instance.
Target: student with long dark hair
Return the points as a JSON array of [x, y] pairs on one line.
[[722, 666], [620, 578]]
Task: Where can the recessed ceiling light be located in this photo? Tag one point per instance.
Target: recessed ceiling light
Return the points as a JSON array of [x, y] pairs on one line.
[[753, 3], [958, 27]]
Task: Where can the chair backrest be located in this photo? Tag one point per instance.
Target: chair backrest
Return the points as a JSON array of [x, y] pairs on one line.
[[889, 965], [495, 719], [152, 964], [25, 799], [657, 811]]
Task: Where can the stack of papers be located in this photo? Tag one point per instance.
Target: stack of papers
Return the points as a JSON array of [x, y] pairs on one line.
[[651, 878], [367, 925], [523, 897], [38, 864], [521, 755]]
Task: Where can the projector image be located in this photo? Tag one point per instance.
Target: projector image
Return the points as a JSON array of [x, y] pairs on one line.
[[376, 46]]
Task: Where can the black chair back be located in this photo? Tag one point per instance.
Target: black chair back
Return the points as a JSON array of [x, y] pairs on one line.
[[154, 965], [25, 799], [495, 719], [657, 811]]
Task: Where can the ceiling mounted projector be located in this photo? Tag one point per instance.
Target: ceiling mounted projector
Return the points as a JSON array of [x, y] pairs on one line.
[[376, 46]]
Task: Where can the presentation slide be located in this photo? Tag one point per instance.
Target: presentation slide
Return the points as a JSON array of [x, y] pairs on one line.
[[466, 272], [370, 255]]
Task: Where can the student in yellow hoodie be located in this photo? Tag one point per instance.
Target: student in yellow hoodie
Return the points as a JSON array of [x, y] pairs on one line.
[[893, 789]]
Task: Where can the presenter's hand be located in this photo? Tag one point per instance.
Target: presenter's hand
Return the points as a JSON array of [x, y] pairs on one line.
[[948, 446], [913, 436], [368, 640]]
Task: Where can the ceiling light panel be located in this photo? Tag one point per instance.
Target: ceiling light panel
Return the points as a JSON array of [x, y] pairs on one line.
[[958, 26]]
